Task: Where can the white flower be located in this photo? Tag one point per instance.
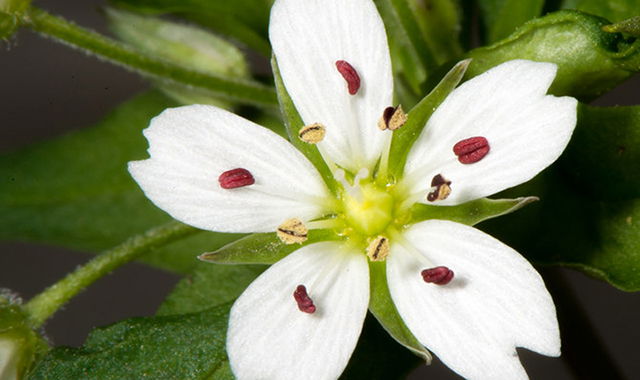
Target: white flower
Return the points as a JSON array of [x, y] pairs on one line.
[[216, 171]]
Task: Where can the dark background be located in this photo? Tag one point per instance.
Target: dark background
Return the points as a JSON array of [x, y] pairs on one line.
[[49, 89]]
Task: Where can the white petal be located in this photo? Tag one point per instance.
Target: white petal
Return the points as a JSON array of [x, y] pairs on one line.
[[270, 338], [496, 301], [526, 130], [191, 146], [308, 37]]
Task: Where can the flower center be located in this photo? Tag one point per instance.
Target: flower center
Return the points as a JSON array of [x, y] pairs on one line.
[[368, 209]]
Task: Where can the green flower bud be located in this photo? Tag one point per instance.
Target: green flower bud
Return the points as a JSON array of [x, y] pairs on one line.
[[590, 60], [10, 11], [19, 344], [188, 46]]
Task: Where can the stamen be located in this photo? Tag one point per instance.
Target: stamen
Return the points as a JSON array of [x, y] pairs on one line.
[[292, 231], [392, 118], [471, 150], [350, 75], [441, 189], [438, 275], [305, 303], [234, 178], [378, 250], [312, 134]]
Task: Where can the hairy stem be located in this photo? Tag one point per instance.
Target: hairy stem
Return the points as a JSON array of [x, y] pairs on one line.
[[45, 304], [130, 58]]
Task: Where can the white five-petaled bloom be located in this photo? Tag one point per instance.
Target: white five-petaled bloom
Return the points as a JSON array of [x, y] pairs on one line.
[[302, 317]]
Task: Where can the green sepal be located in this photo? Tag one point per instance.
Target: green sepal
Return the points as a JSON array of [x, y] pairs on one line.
[[590, 61], [262, 248], [502, 17], [403, 138], [629, 26], [20, 346], [293, 122], [604, 154], [469, 213], [382, 307], [185, 346]]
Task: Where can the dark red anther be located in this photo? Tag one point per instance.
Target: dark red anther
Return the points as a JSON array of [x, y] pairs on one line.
[[437, 275], [471, 150], [236, 178], [350, 75], [305, 304]]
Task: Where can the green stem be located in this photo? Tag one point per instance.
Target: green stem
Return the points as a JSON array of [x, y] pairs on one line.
[[116, 52], [45, 304]]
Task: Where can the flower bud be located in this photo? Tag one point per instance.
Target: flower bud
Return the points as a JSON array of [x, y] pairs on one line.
[[10, 11], [19, 344], [184, 45]]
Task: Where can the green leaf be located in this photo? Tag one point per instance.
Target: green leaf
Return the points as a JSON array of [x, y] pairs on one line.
[[188, 346], [614, 10], [590, 61], [243, 20], [382, 307], [262, 248], [209, 285], [440, 22], [75, 191], [502, 17], [469, 213], [403, 138], [293, 122], [604, 155]]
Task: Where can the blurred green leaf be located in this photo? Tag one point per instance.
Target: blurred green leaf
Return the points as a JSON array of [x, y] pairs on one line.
[[75, 190], [590, 61], [243, 20], [502, 17], [614, 10], [604, 155], [187, 346], [441, 24]]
